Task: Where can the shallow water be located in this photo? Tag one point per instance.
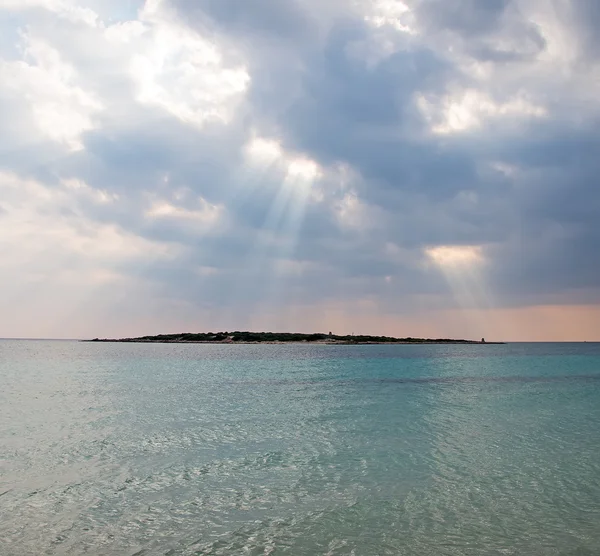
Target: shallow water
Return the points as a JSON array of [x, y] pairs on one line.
[[366, 450]]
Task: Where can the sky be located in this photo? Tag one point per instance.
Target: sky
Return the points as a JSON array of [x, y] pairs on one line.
[[409, 168]]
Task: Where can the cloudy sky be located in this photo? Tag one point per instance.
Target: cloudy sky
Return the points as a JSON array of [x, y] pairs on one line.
[[416, 167]]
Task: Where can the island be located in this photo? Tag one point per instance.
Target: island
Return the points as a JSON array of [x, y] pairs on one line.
[[283, 338]]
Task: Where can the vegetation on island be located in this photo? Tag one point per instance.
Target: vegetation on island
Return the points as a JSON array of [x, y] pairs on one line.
[[282, 337]]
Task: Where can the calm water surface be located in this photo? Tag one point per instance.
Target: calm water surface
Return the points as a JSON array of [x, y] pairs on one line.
[[366, 450]]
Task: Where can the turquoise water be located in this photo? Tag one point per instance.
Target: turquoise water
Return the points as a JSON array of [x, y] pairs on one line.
[[364, 450]]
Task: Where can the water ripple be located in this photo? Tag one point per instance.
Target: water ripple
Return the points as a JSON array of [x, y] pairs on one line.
[[182, 450]]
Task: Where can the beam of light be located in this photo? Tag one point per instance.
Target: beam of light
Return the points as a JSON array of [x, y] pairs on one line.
[[289, 205], [278, 236], [263, 160], [463, 269], [296, 189]]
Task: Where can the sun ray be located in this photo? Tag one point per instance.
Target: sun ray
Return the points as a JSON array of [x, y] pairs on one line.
[[277, 238], [463, 269]]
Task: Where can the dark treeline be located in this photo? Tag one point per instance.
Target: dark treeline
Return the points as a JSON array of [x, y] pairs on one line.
[[258, 337]]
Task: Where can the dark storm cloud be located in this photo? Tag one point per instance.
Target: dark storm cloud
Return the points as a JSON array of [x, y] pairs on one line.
[[477, 22], [261, 19], [469, 17], [347, 111]]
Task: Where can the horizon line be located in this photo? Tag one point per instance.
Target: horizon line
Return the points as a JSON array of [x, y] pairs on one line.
[[29, 339]]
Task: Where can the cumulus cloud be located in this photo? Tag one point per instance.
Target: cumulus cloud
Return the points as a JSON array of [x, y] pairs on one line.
[[249, 163]]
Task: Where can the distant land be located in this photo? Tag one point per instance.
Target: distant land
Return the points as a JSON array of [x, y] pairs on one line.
[[282, 337]]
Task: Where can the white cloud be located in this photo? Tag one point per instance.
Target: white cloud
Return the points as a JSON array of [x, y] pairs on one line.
[[51, 223], [263, 152], [99, 196], [170, 65], [64, 274], [267, 155], [67, 9], [204, 218], [455, 256], [470, 109], [27, 4], [61, 108], [181, 71], [393, 13]]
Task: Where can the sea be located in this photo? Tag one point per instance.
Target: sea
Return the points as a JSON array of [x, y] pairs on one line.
[[173, 449]]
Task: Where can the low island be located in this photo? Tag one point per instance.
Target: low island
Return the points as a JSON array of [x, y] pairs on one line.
[[283, 337]]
